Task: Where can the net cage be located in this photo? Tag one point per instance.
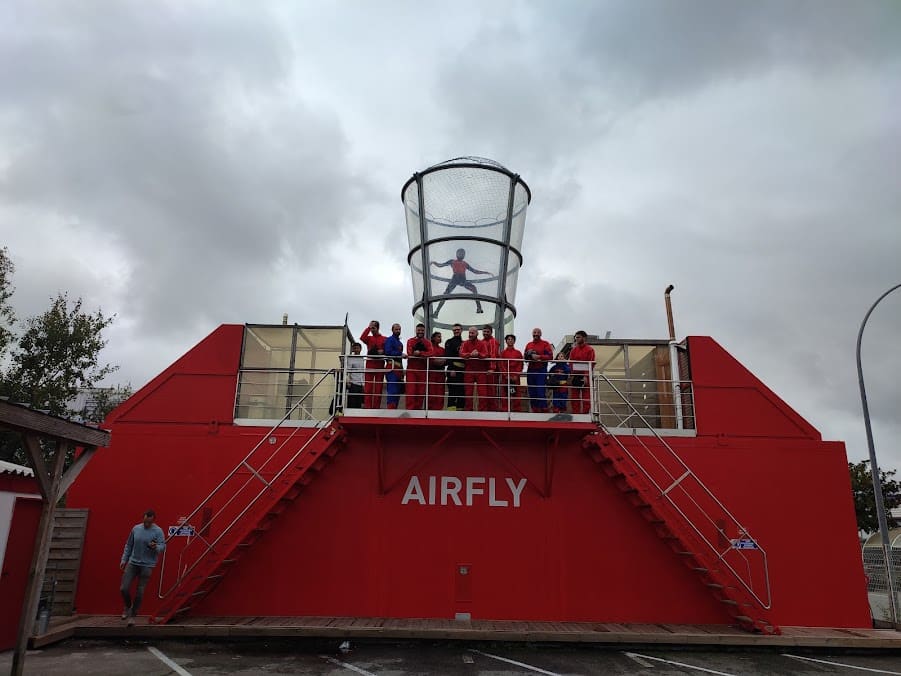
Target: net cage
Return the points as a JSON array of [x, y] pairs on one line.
[[465, 219]]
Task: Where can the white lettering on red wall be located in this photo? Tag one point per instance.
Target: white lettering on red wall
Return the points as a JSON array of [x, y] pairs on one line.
[[451, 490]]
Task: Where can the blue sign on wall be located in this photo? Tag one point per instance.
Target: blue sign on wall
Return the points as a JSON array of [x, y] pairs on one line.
[[186, 531]]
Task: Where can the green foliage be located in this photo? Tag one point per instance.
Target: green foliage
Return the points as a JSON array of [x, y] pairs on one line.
[[865, 499], [7, 316], [58, 355]]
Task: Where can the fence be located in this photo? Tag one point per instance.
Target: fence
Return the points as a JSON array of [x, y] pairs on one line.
[[441, 386]]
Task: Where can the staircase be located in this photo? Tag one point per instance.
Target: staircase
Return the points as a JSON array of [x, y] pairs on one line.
[[64, 560], [241, 509], [691, 520]]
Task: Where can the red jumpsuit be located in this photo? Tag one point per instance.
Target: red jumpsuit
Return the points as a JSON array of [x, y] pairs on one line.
[[511, 368], [416, 371], [375, 369], [436, 380], [495, 400], [476, 375], [582, 358]]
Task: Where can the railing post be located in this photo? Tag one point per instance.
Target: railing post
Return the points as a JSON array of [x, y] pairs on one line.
[[677, 383], [341, 386], [504, 379]]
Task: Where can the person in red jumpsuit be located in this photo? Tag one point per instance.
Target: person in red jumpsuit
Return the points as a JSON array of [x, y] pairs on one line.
[[458, 278], [582, 360], [375, 365], [474, 353], [435, 388], [511, 372], [419, 349], [492, 378]]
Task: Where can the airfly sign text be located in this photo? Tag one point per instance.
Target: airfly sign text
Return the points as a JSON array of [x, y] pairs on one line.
[[466, 491]]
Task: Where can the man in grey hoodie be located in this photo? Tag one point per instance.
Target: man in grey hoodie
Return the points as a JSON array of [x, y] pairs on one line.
[[144, 543]]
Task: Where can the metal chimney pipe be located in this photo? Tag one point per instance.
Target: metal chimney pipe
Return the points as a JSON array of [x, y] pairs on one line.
[[285, 319], [674, 361], [669, 312]]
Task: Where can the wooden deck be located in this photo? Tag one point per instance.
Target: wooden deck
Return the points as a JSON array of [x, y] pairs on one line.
[[614, 635]]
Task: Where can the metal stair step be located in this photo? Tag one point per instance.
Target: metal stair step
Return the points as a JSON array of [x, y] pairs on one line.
[[673, 526], [263, 508]]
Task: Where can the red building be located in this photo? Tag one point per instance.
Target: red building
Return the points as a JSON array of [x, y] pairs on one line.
[[20, 512], [685, 496]]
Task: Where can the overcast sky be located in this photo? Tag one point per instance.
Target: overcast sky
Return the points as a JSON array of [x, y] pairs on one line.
[[184, 165]]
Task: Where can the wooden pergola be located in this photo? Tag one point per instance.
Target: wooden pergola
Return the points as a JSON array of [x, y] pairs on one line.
[[63, 435]]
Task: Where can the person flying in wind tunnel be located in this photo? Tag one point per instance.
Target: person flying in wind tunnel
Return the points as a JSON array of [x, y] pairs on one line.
[[459, 267]]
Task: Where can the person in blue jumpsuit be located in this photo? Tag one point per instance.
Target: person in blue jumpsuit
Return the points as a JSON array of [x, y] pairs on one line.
[[558, 383], [394, 349]]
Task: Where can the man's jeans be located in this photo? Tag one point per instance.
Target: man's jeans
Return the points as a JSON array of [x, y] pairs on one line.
[[131, 572]]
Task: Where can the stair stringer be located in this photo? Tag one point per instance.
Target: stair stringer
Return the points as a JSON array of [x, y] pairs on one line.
[[671, 524], [256, 518]]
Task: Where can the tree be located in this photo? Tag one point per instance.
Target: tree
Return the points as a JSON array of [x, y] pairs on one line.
[[865, 499], [58, 355], [7, 316]]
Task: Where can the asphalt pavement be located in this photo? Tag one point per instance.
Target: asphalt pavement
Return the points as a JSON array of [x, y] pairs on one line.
[[332, 658]]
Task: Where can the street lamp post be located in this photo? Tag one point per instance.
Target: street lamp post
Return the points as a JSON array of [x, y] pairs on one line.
[[874, 468]]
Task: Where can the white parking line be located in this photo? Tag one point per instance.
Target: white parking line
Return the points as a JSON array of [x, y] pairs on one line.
[[165, 660], [840, 664], [638, 660], [680, 664], [346, 665], [518, 664]]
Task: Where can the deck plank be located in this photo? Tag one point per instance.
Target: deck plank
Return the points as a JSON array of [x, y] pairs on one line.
[[111, 626]]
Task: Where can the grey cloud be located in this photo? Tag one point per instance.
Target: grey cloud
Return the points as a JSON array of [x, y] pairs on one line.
[[169, 133], [655, 47], [243, 162]]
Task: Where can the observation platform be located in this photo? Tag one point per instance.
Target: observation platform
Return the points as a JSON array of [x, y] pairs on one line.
[[374, 628]]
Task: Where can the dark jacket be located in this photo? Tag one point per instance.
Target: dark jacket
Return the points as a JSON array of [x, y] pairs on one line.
[[452, 354]]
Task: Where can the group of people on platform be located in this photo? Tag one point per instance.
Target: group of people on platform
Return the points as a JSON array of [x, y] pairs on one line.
[[468, 372]]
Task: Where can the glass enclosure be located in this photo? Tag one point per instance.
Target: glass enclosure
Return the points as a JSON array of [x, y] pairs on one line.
[[465, 221], [282, 366], [640, 373]]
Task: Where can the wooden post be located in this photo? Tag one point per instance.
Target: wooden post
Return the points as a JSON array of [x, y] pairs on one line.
[[50, 492]]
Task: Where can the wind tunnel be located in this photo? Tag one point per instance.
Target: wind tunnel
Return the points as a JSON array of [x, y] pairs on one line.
[[465, 222]]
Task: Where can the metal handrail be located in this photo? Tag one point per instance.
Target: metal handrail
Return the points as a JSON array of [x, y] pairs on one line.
[[678, 414], [677, 481], [505, 376], [255, 474]]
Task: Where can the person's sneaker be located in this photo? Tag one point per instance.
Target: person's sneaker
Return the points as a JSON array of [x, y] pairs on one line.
[[125, 612], [131, 621]]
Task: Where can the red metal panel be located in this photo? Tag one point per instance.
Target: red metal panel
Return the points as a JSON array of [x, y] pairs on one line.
[[198, 388], [566, 545], [730, 400], [16, 564]]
